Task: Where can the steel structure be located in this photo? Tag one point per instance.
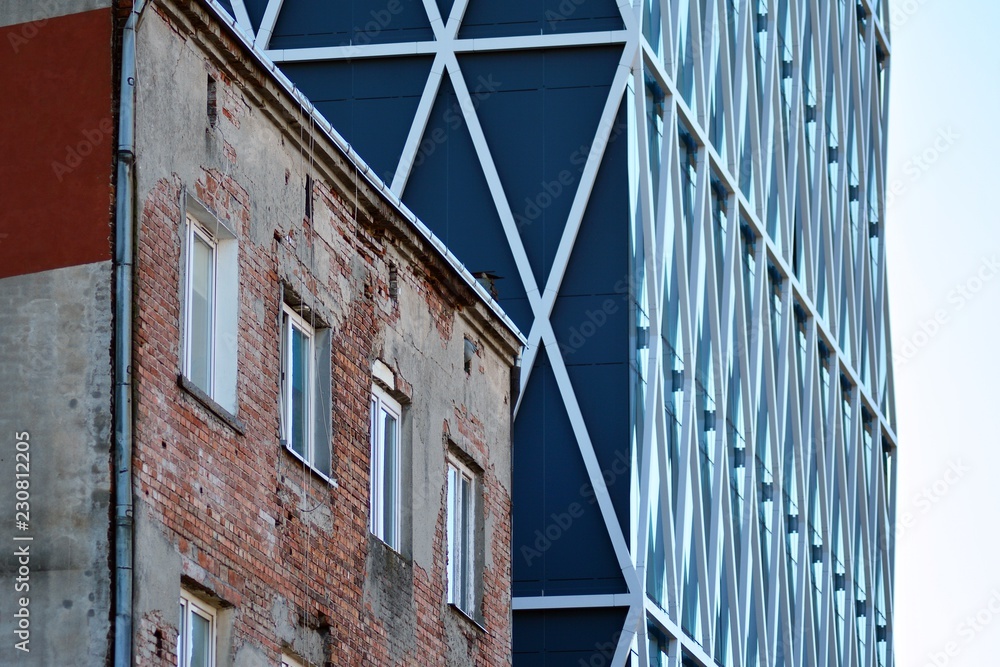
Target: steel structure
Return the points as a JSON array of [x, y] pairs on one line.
[[684, 200]]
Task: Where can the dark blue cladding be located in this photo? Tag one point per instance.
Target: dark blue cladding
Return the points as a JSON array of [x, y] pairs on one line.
[[308, 23], [445, 7], [591, 324], [490, 18], [447, 189], [539, 111], [567, 638], [255, 10], [371, 102], [561, 546], [599, 261], [227, 5], [591, 320]]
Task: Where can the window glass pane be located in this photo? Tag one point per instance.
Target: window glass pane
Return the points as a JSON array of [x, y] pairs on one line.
[[298, 383], [202, 297], [181, 636], [452, 536], [375, 493], [391, 481], [201, 639], [466, 548]]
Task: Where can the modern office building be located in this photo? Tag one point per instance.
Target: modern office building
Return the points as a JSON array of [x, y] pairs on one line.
[[682, 202]]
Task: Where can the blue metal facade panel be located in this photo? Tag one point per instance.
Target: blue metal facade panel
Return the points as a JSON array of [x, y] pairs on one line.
[[603, 394], [591, 321], [599, 261], [370, 102], [307, 23], [448, 190], [561, 546], [488, 18], [539, 112], [255, 10], [592, 330], [444, 6], [569, 638], [539, 117]]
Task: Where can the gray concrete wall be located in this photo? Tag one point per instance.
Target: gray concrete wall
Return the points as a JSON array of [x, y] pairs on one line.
[[14, 12], [55, 374]]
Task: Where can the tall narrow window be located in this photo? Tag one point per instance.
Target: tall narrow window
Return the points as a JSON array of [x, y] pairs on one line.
[[210, 310], [461, 537], [200, 320], [306, 384], [297, 382], [386, 469], [196, 639]]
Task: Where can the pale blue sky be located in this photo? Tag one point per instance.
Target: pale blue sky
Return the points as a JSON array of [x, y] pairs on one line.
[[943, 237]]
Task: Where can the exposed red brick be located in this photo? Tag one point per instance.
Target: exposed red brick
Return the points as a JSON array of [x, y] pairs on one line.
[[247, 519]]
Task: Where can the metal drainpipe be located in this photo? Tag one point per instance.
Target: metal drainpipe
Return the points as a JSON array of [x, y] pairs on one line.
[[124, 241]]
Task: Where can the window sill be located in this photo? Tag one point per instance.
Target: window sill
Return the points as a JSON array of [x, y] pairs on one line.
[[389, 548], [464, 614], [314, 470], [199, 395]]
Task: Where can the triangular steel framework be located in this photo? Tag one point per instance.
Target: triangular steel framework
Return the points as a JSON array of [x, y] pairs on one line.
[[779, 105]]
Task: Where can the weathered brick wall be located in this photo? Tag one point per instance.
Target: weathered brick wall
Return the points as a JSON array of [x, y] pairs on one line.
[[286, 555]]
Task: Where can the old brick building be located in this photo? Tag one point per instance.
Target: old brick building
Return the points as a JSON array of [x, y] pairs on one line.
[[320, 394]]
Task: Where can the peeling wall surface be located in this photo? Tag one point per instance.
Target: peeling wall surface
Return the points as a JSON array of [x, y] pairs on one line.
[[55, 332], [223, 509], [60, 395]]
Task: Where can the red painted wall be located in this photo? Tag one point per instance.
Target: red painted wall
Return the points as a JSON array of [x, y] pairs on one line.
[[56, 143]]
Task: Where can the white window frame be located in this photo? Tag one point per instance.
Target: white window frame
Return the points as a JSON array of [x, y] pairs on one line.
[[222, 353], [289, 661], [462, 581], [189, 605], [196, 230], [291, 319], [381, 402]]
